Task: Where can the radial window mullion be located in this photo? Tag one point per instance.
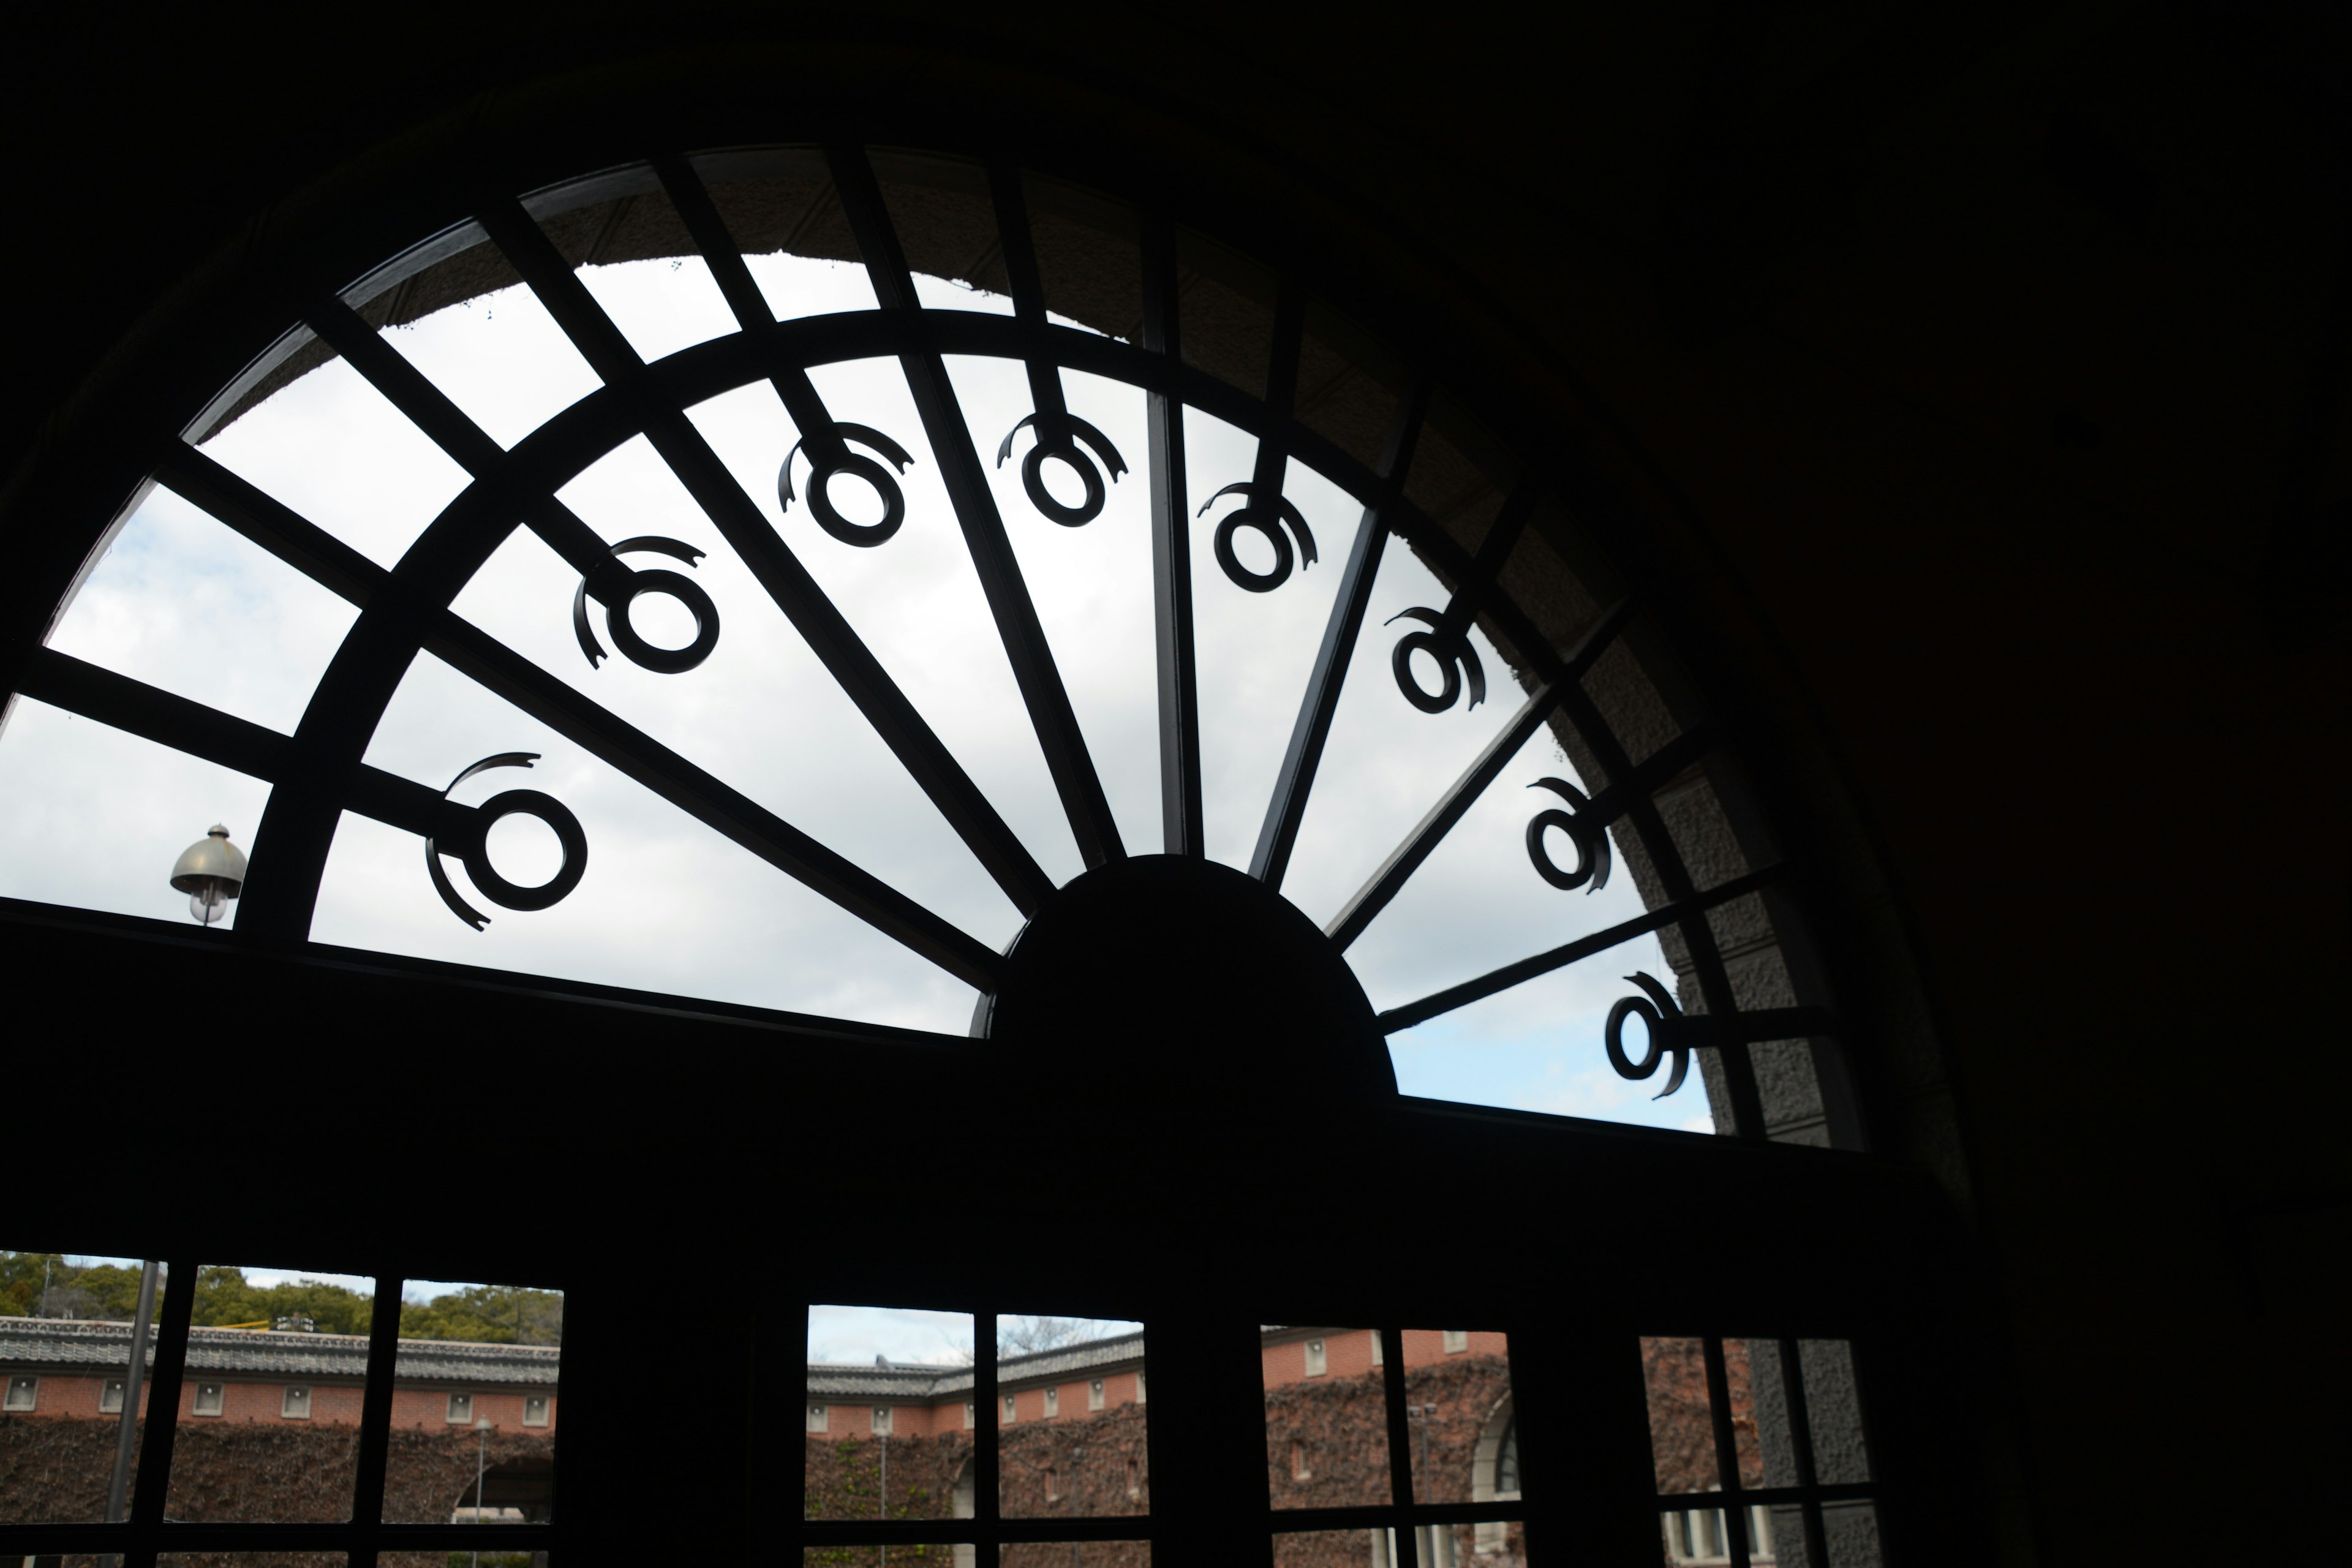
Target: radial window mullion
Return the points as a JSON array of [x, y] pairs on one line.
[[705, 225], [1172, 559], [549, 277], [1499, 980], [1296, 782], [427, 407], [1018, 250], [1084, 804]]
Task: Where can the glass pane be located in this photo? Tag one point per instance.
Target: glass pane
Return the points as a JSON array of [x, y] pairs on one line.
[[474, 1406], [1459, 474], [500, 358], [65, 1353], [1074, 1554], [1851, 1532], [1348, 384], [1327, 1436], [97, 815], [1070, 1419], [1092, 585], [1480, 901], [1226, 303], [782, 212], [1090, 257], [183, 603], [633, 257], [1254, 652], [889, 1416], [339, 453], [1682, 1427], [736, 928], [911, 1554], [1834, 1410], [1740, 1383], [1436, 1545], [946, 223], [270, 1410], [1457, 1390]]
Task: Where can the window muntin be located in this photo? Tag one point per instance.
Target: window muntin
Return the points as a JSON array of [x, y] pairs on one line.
[[1456, 493], [1759, 1440]]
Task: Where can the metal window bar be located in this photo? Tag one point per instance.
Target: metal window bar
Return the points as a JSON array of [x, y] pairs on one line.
[[1171, 558], [1296, 782], [1050, 713]]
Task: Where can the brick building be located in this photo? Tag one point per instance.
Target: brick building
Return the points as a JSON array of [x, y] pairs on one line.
[[268, 1422], [892, 1441], [56, 1368]]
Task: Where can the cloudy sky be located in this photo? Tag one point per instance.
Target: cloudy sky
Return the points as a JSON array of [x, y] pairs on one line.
[[95, 818]]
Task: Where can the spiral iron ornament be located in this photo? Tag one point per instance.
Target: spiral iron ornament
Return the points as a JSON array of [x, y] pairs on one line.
[[1058, 438], [466, 833], [620, 592], [1449, 645], [1267, 514], [824, 469], [1584, 829], [1663, 1020]]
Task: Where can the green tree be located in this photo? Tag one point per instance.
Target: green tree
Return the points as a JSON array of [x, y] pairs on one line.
[[33, 1282], [224, 1296], [487, 1314], [21, 1282]]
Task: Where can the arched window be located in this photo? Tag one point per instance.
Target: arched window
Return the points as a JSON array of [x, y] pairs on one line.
[[1065, 657]]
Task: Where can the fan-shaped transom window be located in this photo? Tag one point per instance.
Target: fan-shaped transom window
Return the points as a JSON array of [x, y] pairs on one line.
[[769, 579]]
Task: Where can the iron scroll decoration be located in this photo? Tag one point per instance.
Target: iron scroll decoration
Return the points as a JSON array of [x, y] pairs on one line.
[[1058, 438], [466, 833], [830, 458], [1447, 641], [1658, 1011], [1584, 829], [1267, 513], [620, 595]]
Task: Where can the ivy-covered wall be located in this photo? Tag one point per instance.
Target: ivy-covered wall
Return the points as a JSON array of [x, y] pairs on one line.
[[55, 1469], [1326, 1445]]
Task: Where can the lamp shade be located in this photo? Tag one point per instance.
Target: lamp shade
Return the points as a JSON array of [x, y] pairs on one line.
[[211, 863]]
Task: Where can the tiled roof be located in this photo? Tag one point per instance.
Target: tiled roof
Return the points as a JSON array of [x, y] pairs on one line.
[[44, 1342], [902, 1381]]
